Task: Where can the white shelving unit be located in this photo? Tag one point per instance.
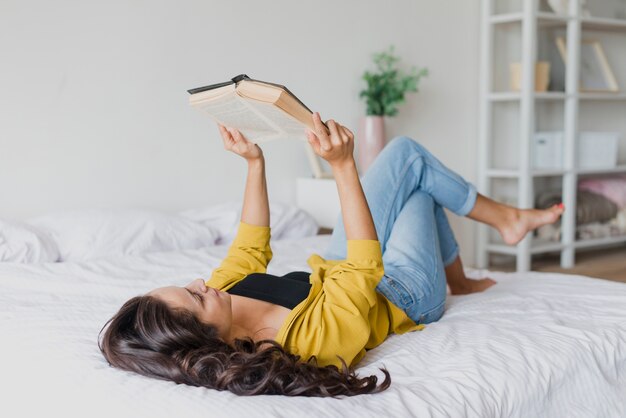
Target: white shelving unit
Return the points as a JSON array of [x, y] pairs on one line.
[[529, 20]]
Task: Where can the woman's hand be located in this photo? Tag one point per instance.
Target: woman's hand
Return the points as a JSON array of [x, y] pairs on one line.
[[336, 148], [234, 141]]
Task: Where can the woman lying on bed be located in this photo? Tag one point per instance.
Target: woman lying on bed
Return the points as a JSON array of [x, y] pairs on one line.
[[302, 334]]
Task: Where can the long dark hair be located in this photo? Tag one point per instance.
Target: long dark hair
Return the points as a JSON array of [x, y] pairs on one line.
[[148, 337]]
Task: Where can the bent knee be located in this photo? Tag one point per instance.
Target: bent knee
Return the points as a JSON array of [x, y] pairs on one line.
[[406, 145]]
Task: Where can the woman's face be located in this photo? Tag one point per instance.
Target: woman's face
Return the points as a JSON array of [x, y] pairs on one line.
[[208, 304]]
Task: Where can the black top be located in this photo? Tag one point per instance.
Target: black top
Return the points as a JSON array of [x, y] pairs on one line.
[[288, 290]]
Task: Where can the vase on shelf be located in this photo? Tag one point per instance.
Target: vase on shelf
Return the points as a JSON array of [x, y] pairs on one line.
[[370, 140]]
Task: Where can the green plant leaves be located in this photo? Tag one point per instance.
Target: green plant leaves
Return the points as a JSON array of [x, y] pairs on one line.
[[387, 86]]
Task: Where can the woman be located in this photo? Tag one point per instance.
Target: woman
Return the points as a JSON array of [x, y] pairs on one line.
[[301, 334]]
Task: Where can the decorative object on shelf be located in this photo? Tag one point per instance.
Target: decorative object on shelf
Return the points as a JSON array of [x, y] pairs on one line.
[[386, 88], [595, 72], [598, 149], [597, 216], [616, 227], [595, 150], [561, 7], [547, 150], [542, 76], [612, 187], [590, 206]]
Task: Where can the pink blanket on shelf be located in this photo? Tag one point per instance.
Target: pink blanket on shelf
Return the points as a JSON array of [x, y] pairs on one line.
[[613, 188]]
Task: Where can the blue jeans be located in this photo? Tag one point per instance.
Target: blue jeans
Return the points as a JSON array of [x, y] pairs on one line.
[[406, 188]]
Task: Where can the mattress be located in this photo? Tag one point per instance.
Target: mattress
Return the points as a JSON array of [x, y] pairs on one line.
[[533, 345]]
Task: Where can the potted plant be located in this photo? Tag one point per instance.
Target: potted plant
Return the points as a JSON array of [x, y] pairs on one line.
[[386, 88]]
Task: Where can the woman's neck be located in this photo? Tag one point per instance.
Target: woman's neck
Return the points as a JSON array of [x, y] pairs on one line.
[[251, 318]]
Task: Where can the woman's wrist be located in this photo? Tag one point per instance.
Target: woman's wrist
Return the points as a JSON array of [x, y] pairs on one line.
[[256, 160], [342, 166]]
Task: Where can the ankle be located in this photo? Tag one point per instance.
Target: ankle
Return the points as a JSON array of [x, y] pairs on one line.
[[509, 215], [495, 214]]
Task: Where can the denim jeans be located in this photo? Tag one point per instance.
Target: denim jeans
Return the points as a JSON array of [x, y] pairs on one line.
[[406, 188]]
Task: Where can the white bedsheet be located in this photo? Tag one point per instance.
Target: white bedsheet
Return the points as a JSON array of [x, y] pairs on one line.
[[535, 344]]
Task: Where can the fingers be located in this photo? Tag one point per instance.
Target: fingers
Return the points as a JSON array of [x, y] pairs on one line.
[[344, 133], [348, 132], [224, 131], [324, 142], [314, 141], [230, 134], [339, 133], [320, 132], [226, 136], [335, 136], [237, 136]]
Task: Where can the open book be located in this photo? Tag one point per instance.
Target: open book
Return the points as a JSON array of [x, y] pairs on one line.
[[261, 111]]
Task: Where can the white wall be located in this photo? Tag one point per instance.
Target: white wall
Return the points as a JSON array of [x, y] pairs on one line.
[[94, 111]]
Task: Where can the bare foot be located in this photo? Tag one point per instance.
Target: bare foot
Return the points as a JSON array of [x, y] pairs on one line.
[[523, 220], [471, 286]]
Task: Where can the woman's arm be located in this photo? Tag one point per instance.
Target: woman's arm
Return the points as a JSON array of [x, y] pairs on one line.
[[337, 148], [357, 218], [256, 210], [250, 251]]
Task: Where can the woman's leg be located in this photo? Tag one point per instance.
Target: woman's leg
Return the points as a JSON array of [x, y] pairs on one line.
[[448, 246], [403, 167], [453, 266], [416, 270], [512, 223], [415, 277]]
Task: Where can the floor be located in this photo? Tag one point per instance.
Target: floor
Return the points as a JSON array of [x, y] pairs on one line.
[[607, 264]]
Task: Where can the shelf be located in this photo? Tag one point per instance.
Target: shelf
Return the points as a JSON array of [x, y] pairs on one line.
[[505, 96], [544, 18], [504, 173], [602, 96], [537, 246], [553, 19], [619, 169], [513, 174], [509, 119], [603, 23], [509, 96], [587, 243], [548, 172]]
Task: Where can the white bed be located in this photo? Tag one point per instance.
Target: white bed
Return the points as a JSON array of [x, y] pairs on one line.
[[534, 345]]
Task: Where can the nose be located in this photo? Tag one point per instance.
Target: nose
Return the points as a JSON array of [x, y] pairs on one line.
[[199, 284]]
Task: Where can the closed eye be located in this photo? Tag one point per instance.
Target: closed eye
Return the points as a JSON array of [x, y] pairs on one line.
[[195, 295]]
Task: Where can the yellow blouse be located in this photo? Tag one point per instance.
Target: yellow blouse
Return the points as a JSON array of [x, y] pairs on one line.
[[343, 315]]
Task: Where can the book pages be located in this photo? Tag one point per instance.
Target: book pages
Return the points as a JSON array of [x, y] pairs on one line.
[[288, 126], [232, 111]]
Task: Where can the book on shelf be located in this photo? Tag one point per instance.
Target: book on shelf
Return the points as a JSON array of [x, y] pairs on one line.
[[260, 110]]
